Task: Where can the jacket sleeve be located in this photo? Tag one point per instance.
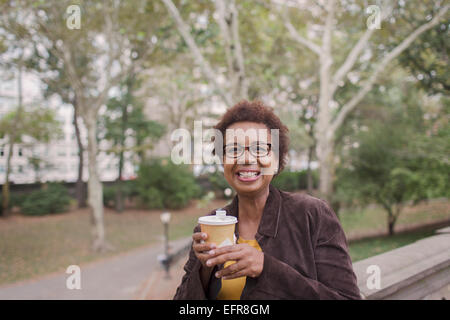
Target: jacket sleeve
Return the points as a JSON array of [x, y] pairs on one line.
[[335, 276], [191, 287]]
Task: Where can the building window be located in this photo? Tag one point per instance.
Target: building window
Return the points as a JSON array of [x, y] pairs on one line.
[[19, 152], [1, 152]]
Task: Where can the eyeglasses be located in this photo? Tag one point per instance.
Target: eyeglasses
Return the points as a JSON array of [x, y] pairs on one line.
[[258, 149]]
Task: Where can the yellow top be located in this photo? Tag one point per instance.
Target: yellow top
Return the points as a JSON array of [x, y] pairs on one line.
[[232, 289]]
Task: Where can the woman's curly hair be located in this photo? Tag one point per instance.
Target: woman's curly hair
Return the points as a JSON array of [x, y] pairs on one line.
[[256, 111]]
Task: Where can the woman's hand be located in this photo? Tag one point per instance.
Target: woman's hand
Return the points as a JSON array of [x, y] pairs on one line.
[[249, 261], [201, 249]]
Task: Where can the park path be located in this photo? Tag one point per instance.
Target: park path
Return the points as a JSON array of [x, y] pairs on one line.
[[123, 277]]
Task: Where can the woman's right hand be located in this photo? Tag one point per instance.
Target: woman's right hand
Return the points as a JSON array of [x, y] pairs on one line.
[[202, 249]]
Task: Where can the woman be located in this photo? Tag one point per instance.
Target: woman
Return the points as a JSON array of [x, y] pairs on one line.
[[289, 245]]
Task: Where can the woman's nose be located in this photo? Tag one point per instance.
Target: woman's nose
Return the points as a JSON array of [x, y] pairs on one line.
[[248, 157]]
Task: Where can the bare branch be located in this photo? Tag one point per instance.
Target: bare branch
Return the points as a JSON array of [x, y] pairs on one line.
[[199, 59], [239, 56], [297, 37], [221, 9], [350, 105], [356, 51], [350, 60]]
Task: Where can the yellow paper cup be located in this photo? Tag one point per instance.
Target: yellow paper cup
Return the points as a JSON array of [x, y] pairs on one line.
[[219, 228]]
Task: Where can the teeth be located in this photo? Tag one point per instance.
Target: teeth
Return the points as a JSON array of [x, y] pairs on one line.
[[248, 174]]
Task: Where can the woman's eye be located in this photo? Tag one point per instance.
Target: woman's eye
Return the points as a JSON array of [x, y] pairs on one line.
[[261, 149], [232, 150]]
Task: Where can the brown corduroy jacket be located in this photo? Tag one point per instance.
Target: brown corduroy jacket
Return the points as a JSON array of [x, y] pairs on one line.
[[305, 254]]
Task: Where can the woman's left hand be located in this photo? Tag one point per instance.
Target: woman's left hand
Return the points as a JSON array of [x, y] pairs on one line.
[[249, 261]]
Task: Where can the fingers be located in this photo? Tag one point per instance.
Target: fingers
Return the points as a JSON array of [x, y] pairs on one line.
[[249, 261], [234, 270], [238, 274], [223, 258], [202, 249], [228, 249], [199, 245], [199, 236]]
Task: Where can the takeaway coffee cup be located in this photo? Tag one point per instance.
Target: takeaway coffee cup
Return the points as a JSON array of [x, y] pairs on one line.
[[219, 227]]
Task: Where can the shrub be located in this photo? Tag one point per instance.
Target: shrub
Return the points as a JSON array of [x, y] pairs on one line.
[[109, 192], [109, 196], [162, 184], [287, 181], [152, 198], [15, 200], [52, 198], [294, 180], [218, 183]]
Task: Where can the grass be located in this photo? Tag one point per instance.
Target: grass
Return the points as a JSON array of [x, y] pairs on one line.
[[372, 220], [363, 249], [35, 246]]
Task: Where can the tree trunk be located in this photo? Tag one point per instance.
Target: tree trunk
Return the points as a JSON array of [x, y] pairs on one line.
[[309, 179], [5, 187], [12, 139], [326, 173], [80, 187], [119, 194], [324, 138], [119, 183], [391, 224], [95, 187], [391, 219]]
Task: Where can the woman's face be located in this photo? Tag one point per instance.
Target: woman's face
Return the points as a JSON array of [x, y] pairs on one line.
[[248, 158]]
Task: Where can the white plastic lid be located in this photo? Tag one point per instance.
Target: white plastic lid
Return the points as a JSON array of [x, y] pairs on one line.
[[220, 219], [221, 213]]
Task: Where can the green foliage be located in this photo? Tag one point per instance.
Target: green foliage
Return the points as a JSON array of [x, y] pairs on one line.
[[109, 196], [294, 180], [401, 153], [383, 169], [38, 123], [52, 198], [162, 184], [128, 189], [218, 181], [427, 57], [16, 200], [124, 118], [286, 181]]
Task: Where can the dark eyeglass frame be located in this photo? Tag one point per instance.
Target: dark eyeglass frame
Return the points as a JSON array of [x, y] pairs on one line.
[[249, 148]]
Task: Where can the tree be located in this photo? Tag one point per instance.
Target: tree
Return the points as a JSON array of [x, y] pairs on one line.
[[228, 21], [395, 156], [327, 123], [114, 39], [336, 59], [35, 123], [378, 173], [56, 81], [427, 57], [123, 121]]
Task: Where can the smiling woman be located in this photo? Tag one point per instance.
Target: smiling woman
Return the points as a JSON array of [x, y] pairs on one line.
[[289, 246]]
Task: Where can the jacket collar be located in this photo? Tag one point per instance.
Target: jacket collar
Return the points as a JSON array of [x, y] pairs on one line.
[[268, 225]]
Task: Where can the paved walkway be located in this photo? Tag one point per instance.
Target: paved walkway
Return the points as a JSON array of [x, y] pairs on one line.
[[122, 277]]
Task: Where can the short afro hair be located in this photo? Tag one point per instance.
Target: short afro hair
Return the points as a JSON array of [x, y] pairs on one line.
[[256, 111]]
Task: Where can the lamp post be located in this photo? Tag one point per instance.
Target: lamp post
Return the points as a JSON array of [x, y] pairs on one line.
[[165, 219], [165, 259]]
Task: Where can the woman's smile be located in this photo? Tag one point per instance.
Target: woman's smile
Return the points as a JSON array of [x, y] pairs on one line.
[[248, 175]]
